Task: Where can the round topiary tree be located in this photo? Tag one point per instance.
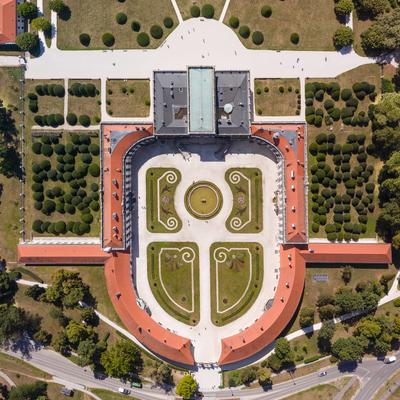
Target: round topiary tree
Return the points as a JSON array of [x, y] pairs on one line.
[[47, 150], [108, 39], [60, 227], [244, 31], [266, 11], [37, 226], [87, 218], [168, 22], [94, 149], [234, 22], [72, 119], [195, 11], [295, 38], [84, 120], [207, 11], [94, 170], [143, 39], [37, 148], [156, 32], [27, 41], [84, 39], [343, 8], [86, 158], [121, 18], [344, 36], [257, 38], [135, 26]]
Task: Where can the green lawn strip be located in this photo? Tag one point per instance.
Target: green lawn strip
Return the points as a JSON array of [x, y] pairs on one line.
[[128, 98], [100, 19], [240, 213], [313, 289], [108, 395], [277, 96], [320, 392], [234, 278], [185, 7], [9, 363], [47, 14], [92, 276], [56, 216], [176, 275], [313, 20], [162, 200], [85, 105]]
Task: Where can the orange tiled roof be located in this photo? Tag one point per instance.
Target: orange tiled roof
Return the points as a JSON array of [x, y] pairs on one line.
[[113, 172], [294, 177], [61, 254], [8, 21], [368, 253]]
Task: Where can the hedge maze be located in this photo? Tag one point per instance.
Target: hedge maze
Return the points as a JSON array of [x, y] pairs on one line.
[[329, 103], [341, 193], [65, 188]]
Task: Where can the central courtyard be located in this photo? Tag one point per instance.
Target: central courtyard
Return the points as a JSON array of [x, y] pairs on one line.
[[204, 207]]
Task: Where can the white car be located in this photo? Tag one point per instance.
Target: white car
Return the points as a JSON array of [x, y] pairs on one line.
[[389, 360], [123, 390], [323, 373]]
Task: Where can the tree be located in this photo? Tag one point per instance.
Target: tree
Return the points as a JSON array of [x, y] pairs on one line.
[[89, 317], [34, 292], [66, 289], [327, 312], [348, 349], [307, 316], [248, 375], [60, 344], [57, 6], [87, 351], [347, 301], [346, 274], [27, 10], [284, 352], [122, 359], [186, 387], [372, 7], [77, 332], [369, 329], [41, 24], [325, 336], [8, 287], [162, 374], [344, 36], [43, 337], [264, 377], [343, 8], [27, 41], [29, 391]]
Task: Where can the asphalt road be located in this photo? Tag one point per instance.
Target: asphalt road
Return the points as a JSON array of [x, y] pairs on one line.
[[373, 374]]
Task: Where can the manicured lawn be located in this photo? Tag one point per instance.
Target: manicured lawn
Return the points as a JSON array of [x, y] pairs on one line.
[[161, 215], [236, 279], [128, 98], [91, 275], [32, 214], [246, 186], [173, 273], [271, 100], [313, 20], [98, 18], [89, 106], [108, 395], [185, 6], [313, 289], [360, 25], [9, 87]]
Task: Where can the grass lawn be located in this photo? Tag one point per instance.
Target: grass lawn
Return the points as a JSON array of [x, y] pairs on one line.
[[313, 20], [92, 276], [173, 273], [99, 19], [269, 100], [360, 25], [108, 395], [246, 186], [352, 390], [85, 105], [321, 392], [185, 6], [9, 187], [128, 97], [13, 364], [32, 214], [161, 215], [236, 279], [313, 289], [370, 73]]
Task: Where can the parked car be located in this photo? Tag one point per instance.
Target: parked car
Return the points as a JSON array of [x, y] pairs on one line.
[[323, 373], [390, 359], [124, 391], [136, 384]]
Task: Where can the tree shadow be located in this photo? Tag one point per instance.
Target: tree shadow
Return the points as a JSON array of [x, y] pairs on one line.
[[65, 13]]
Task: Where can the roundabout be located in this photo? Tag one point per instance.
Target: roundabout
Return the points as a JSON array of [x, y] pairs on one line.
[[203, 200]]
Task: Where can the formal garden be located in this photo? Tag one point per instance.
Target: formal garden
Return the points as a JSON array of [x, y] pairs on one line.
[[161, 214], [63, 184], [247, 210], [84, 103], [201, 8], [236, 279], [277, 97], [265, 24], [128, 97], [173, 274], [115, 24]]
